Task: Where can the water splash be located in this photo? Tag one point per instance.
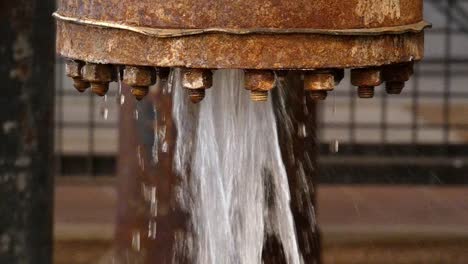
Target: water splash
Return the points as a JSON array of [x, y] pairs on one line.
[[120, 97], [230, 147], [155, 150], [136, 244]]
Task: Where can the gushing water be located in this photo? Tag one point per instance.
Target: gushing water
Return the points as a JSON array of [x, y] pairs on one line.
[[227, 152]]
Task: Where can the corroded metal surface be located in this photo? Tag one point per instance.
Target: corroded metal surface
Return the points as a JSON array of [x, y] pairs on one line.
[[189, 14], [262, 34], [26, 131], [262, 51]]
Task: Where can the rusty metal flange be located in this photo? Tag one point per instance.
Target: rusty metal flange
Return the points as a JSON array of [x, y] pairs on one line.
[[305, 35]]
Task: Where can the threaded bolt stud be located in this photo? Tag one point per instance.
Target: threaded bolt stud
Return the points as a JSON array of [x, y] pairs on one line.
[[394, 87], [318, 95], [140, 92], [196, 95], [366, 91], [80, 85], [259, 96], [100, 88]]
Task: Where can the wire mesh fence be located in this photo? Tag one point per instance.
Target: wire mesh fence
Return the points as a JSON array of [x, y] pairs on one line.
[[418, 137]]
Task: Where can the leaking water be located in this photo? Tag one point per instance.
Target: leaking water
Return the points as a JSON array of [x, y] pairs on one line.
[[104, 108], [230, 148]]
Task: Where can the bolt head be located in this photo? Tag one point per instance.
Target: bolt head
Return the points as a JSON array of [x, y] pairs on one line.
[[366, 77], [73, 68], [319, 81], [196, 95], [100, 88], [139, 76], [80, 85], [140, 92], [97, 73], [398, 73], [259, 80], [197, 79]]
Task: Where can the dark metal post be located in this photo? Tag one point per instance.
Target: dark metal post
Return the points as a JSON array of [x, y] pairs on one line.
[[26, 130]]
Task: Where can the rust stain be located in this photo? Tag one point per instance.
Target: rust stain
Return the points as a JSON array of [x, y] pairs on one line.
[[377, 11]]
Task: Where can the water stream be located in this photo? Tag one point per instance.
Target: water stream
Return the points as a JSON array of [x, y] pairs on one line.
[[227, 151]]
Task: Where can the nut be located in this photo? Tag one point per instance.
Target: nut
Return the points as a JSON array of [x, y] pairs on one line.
[[366, 77], [73, 70], [197, 79], [139, 76], [398, 72], [319, 81], [97, 73], [259, 80]]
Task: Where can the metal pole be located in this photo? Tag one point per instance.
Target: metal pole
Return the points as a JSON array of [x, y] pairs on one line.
[[26, 131]]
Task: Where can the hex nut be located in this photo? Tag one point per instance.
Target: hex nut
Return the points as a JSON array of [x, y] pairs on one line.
[[398, 72], [73, 68], [139, 76], [197, 79], [319, 81], [259, 80], [370, 77], [97, 73]]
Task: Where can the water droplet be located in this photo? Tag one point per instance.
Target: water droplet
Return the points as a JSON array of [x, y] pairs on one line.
[[154, 152], [136, 240], [152, 229], [154, 208], [152, 193], [302, 131], [141, 161], [136, 114], [122, 99], [104, 108], [335, 146]]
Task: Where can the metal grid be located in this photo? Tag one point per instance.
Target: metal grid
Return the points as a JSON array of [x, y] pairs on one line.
[[420, 136], [85, 140]]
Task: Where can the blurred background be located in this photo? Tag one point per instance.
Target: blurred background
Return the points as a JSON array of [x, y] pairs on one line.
[[393, 170]]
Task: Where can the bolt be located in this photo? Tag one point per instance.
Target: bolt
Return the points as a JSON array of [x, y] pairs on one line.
[[394, 87], [73, 70], [318, 95], [196, 95], [99, 75], [259, 96], [366, 79], [196, 81], [366, 91], [396, 76], [259, 82], [139, 78], [319, 83], [100, 88], [140, 92]]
